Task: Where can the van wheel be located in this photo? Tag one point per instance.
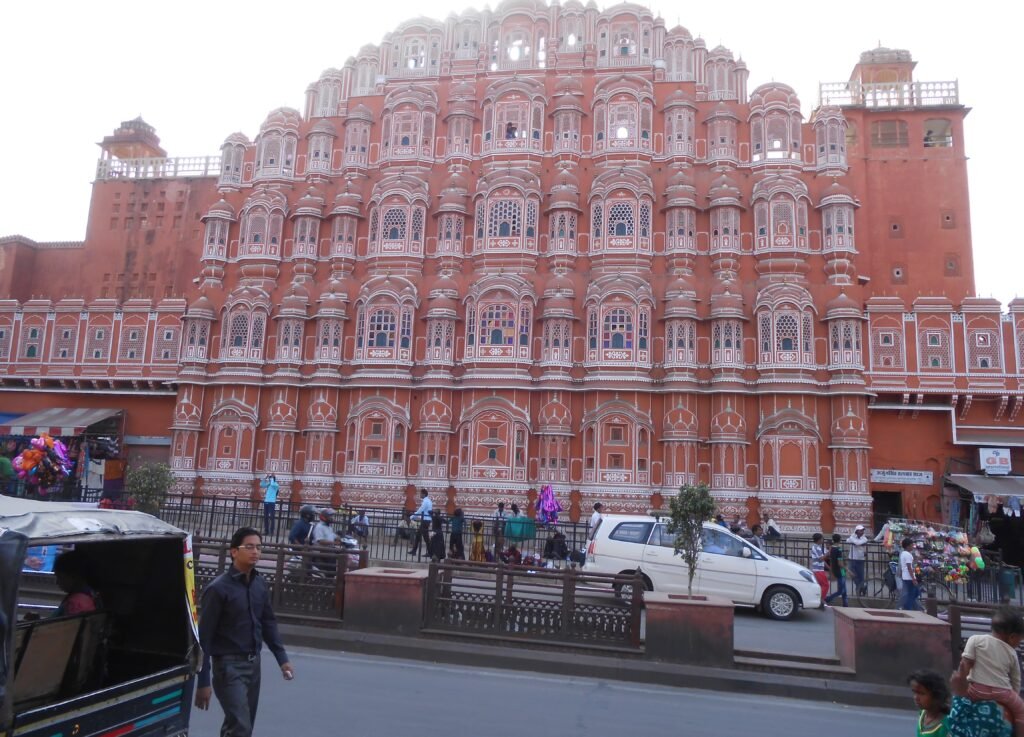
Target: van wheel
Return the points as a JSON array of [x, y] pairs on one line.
[[625, 590], [780, 602]]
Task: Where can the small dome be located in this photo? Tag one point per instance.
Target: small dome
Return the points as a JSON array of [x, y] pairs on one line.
[[835, 193], [295, 299], [221, 209], [680, 424], [842, 306], [569, 85], [849, 427], [560, 283], [464, 90], [726, 301], [201, 306], [324, 127], [555, 417], [360, 112], [331, 300], [728, 425], [775, 93], [441, 303], [235, 139], [679, 31], [435, 416], [282, 117], [311, 203], [565, 191]]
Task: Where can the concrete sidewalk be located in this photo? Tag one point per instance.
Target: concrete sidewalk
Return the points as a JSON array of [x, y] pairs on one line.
[[617, 666]]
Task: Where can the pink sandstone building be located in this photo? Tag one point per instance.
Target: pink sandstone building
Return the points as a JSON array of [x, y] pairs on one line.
[[542, 245]]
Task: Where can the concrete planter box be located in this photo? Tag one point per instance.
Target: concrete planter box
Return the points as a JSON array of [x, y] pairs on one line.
[[883, 645], [696, 630], [385, 600]]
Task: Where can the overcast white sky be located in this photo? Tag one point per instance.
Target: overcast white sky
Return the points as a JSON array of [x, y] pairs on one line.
[[198, 71]]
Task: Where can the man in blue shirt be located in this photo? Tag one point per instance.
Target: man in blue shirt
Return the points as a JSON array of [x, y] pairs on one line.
[[270, 488], [423, 515], [235, 620]]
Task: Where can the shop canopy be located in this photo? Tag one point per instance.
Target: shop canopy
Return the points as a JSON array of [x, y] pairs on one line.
[[983, 487], [57, 421]]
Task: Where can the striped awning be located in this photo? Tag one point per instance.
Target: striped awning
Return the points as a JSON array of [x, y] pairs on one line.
[[57, 421]]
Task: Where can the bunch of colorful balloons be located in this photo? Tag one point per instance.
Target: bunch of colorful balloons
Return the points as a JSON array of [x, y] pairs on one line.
[[44, 463]]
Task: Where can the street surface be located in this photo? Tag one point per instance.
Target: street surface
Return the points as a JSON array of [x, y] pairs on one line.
[[363, 696]]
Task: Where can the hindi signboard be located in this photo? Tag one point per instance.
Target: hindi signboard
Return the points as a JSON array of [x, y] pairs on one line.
[[901, 476]]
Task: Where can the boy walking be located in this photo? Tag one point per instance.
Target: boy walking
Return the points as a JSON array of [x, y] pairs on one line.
[[838, 566]]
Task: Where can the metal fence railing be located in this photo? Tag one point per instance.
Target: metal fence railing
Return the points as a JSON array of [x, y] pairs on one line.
[[520, 603], [304, 583]]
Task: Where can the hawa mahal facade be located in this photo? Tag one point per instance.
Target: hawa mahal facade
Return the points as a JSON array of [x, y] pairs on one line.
[[540, 245]]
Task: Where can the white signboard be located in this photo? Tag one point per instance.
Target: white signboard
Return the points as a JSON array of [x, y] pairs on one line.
[[995, 461], [896, 476]]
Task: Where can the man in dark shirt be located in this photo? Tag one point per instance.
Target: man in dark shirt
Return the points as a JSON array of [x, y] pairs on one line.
[[235, 620]]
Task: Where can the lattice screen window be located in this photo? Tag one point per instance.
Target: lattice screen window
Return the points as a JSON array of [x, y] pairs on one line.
[[1020, 349], [512, 120], [441, 333], [807, 335], [933, 349], [983, 349], [787, 333], [165, 346], [618, 329], [405, 129], [133, 343], [887, 349], [681, 123], [525, 323], [497, 325], [782, 218], [620, 219], [405, 338], [844, 341], [374, 223], [622, 121], [306, 234], [98, 344], [381, 325], [597, 221], [31, 341], [393, 225], [258, 323], [644, 332], [238, 332], [645, 220], [450, 229], [417, 224], [592, 328], [65, 342], [5, 341], [727, 342], [506, 219]]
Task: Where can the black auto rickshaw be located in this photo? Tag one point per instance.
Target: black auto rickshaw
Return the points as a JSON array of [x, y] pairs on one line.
[[124, 668]]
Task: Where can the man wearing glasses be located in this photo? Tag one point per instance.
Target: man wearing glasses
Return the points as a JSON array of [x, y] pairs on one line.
[[235, 620]]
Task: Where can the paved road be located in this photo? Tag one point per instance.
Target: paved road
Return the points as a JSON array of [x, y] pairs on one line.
[[357, 696]]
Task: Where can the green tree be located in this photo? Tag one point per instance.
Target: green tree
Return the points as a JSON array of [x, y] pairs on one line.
[[689, 510], [147, 486]]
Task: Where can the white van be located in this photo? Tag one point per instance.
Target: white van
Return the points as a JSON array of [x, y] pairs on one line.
[[730, 566]]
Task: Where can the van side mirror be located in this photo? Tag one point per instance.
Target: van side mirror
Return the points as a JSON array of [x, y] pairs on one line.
[[746, 552]]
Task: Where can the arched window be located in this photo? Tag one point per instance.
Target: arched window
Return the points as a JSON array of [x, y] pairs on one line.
[[621, 219], [497, 325], [393, 224], [381, 328], [239, 331], [505, 218], [618, 329]]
